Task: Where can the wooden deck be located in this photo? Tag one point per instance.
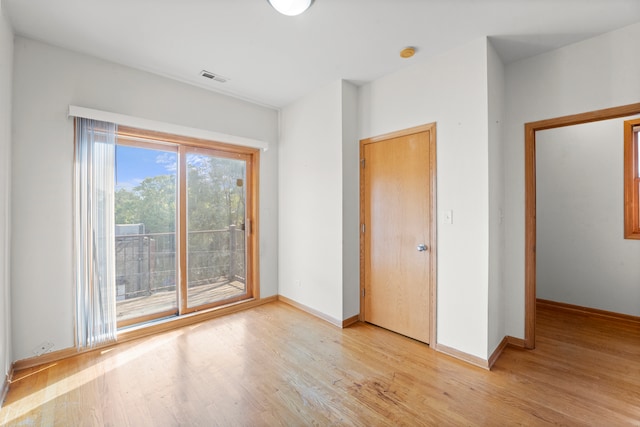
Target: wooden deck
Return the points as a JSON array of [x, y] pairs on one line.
[[163, 301], [275, 365]]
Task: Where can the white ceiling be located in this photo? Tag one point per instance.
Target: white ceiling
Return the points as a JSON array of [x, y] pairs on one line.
[[273, 59]]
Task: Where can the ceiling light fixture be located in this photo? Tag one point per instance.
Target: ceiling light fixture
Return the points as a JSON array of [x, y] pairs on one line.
[[290, 7]]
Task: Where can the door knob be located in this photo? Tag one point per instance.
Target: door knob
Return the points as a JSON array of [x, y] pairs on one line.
[[422, 247]]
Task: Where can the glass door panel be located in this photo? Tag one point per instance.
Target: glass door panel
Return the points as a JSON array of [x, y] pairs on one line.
[[215, 227], [145, 230]]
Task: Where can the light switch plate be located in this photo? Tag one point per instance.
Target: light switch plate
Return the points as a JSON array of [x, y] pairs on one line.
[[448, 217]]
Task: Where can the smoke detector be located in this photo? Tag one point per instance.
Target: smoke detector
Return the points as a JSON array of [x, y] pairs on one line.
[[213, 76], [408, 52]]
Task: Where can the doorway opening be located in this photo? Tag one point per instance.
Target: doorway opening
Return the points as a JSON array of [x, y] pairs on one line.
[[530, 198]]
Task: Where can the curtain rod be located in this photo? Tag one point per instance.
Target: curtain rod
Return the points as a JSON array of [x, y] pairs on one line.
[[158, 126]]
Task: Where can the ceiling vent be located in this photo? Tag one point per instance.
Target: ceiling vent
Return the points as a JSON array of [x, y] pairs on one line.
[[212, 76]]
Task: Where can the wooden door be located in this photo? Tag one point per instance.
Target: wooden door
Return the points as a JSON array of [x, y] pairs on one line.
[[397, 210]]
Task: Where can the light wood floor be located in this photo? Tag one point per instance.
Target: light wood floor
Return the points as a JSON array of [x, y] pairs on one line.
[[275, 365]]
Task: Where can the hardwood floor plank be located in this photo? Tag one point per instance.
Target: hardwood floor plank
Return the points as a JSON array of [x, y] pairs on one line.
[[275, 365]]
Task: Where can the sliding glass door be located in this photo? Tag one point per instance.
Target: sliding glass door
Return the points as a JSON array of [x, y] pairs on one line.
[[145, 231], [183, 216], [215, 224]]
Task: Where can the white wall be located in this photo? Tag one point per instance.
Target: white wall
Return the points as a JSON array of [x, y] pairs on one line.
[[495, 82], [450, 90], [582, 256], [46, 80], [311, 189], [350, 202], [6, 71], [597, 73]]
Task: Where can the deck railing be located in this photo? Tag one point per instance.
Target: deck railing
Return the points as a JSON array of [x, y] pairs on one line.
[[147, 264]]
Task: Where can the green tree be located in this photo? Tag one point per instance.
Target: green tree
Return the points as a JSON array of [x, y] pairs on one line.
[[216, 192], [215, 197], [152, 202], [157, 203], [127, 207]]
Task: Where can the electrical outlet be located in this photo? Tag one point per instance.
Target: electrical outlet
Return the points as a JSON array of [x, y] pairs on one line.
[[43, 348]]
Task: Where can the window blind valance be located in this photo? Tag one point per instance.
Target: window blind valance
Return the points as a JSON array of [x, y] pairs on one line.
[[158, 126]]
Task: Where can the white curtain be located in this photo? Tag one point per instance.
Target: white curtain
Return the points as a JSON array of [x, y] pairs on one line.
[[94, 233]]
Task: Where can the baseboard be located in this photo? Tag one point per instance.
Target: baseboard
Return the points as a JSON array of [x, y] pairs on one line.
[[465, 357], [312, 311], [593, 312], [145, 331], [350, 321], [515, 342], [5, 386], [51, 357], [498, 351], [507, 341]]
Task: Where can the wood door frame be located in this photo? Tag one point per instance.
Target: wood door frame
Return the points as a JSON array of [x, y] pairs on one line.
[[431, 128], [530, 130]]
